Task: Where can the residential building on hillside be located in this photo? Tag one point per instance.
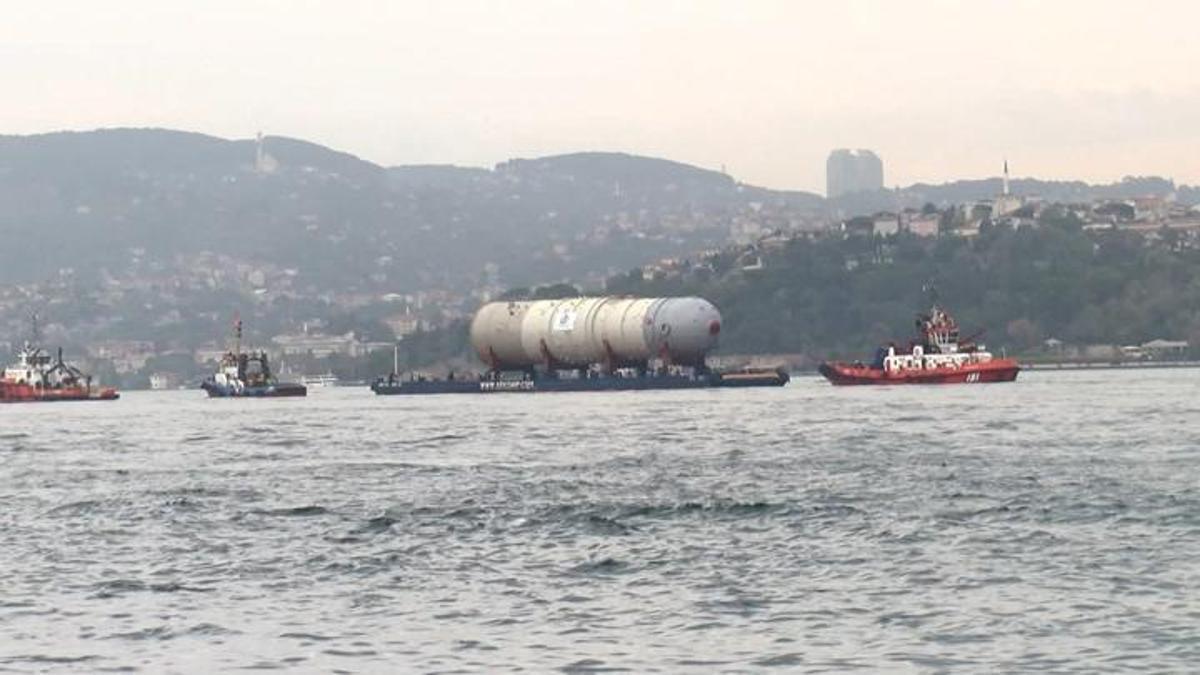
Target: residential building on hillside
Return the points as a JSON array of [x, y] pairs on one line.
[[925, 225], [886, 224], [403, 324], [127, 356], [317, 345]]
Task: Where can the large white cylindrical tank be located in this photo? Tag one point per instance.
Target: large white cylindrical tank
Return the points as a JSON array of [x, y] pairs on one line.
[[683, 329], [535, 331], [576, 332], [573, 337], [623, 329], [496, 332]]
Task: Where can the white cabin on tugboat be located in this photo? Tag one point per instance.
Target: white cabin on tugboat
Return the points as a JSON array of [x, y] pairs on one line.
[[939, 349], [919, 360], [228, 374], [30, 367], [36, 368]]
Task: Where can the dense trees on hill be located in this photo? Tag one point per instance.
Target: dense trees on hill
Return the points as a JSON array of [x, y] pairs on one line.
[[835, 296], [546, 292], [841, 296]]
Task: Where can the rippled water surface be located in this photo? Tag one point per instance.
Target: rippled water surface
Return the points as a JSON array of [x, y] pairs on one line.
[[1053, 523]]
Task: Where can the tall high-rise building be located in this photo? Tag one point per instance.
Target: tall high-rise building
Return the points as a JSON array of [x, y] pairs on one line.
[[848, 171]]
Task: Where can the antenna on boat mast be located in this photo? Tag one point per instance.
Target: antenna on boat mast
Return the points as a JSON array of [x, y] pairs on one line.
[[237, 334]]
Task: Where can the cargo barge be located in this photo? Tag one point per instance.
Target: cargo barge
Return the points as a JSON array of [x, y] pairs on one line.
[[590, 344], [510, 384]]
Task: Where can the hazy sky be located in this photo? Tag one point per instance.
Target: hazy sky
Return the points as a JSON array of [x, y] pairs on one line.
[[1090, 88]]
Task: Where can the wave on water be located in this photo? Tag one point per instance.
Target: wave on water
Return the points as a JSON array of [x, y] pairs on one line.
[[119, 587], [602, 566], [81, 507], [286, 442], [375, 525], [307, 637], [167, 632], [49, 659], [306, 511], [433, 440]]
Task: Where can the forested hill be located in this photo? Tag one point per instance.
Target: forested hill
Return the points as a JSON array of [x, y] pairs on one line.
[[155, 235], [91, 201], [835, 296]]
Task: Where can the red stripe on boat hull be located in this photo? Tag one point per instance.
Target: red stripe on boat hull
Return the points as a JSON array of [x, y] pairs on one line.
[[996, 370], [11, 392]]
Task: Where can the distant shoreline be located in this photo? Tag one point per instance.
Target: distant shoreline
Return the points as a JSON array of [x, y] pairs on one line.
[[1108, 365]]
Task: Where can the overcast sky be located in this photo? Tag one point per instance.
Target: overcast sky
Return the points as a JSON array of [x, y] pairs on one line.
[[1090, 89]]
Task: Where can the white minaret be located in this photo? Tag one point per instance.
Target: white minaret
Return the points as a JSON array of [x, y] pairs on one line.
[[900, 224], [1006, 203]]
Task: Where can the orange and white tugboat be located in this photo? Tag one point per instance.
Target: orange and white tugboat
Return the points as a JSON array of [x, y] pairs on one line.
[[37, 377], [937, 356]]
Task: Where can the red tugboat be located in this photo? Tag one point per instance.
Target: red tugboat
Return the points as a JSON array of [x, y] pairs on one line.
[[36, 377], [936, 357]]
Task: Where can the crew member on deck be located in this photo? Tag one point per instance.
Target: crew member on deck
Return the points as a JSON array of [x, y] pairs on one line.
[[880, 354]]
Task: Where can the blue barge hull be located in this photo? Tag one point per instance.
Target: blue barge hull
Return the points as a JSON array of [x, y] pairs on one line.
[[769, 378], [283, 389]]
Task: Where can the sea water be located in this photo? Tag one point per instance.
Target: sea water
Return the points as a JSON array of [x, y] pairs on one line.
[[1051, 523]]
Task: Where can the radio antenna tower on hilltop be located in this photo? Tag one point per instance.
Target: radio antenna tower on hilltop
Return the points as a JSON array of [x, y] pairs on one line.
[[263, 163]]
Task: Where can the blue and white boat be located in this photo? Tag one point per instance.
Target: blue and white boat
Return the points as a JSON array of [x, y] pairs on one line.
[[247, 375]]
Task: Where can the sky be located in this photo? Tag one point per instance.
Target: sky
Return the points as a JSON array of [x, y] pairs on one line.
[[1064, 89]]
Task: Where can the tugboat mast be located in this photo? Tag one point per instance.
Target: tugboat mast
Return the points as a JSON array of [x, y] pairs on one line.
[[237, 336], [35, 332]]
